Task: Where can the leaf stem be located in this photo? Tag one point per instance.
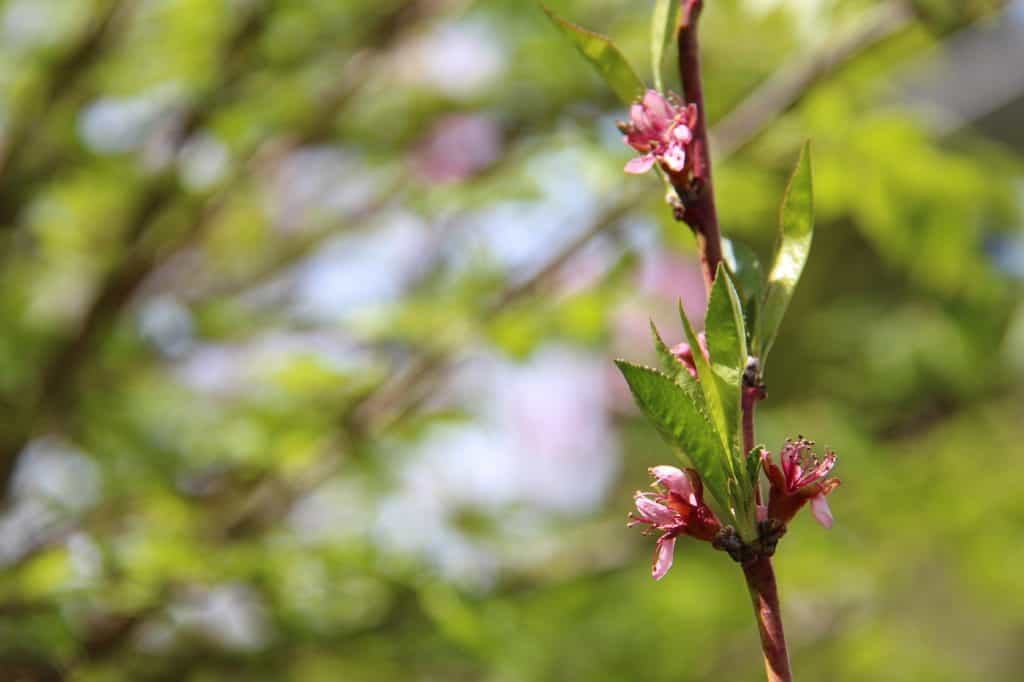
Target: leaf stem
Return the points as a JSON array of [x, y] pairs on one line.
[[699, 200], [764, 595], [748, 403]]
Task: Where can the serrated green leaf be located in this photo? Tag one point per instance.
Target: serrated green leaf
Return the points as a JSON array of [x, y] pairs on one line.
[[663, 25], [604, 56], [670, 364], [676, 370], [681, 423], [796, 229]]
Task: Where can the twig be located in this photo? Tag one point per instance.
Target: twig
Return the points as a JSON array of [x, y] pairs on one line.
[[72, 66], [399, 397], [764, 595], [699, 212]]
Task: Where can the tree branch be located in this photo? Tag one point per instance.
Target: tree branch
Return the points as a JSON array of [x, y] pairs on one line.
[[764, 595], [787, 86], [699, 210]]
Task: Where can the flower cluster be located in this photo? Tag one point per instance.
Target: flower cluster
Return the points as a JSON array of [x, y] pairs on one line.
[[802, 477], [661, 129], [676, 508]]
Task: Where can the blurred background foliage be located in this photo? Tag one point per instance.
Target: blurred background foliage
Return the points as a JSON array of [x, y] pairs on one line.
[[307, 313]]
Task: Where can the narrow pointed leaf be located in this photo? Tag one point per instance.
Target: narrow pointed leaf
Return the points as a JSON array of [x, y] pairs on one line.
[[748, 276], [604, 56], [663, 25], [670, 364], [727, 348], [682, 424], [710, 388], [725, 330], [796, 228]]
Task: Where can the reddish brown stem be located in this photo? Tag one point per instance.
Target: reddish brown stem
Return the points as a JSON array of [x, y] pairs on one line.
[[700, 214], [764, 595], [750, 398], [699, 199]]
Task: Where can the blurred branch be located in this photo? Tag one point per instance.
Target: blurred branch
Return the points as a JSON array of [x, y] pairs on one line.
[[389, 403], [787, 87], [60, 80], [58, 376], [286, 253], [124, 280], [395, 400]]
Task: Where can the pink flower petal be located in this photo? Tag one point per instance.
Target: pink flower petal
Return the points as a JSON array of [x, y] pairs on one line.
[[640, 164], [676, 481], [663, 557], [636, 114], [658, 110], [821, 511], [657, 513], [682, 134], [675, 157], [643, 127]]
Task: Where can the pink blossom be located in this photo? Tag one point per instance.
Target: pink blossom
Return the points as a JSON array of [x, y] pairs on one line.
[[802, 478], [661, 129], [675, 508]]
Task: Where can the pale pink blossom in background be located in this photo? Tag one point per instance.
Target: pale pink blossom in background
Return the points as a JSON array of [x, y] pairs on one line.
[[457, 147]]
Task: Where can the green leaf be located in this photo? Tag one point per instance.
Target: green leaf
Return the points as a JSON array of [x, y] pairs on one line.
[[721, 387], [748, 276], [709, 387], [681, 423], [726, 332], [670, 364], [663, 28], [604, 56], [796, 228], [677, 371], [727, 348]]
